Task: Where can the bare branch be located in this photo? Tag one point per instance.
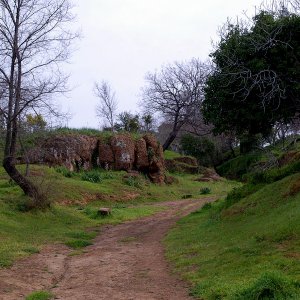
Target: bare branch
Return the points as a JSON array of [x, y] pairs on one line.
[[107, 107]]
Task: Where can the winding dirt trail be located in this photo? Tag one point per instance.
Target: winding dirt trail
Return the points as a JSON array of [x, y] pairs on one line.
[[126, 262]]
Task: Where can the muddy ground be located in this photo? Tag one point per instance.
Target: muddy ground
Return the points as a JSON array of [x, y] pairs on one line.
[[126, 261]]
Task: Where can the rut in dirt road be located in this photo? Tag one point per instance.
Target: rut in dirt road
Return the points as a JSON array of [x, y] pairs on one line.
[[125, 262]]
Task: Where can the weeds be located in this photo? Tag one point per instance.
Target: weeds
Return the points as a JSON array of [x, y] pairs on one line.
[[64, 171], [40, 295], [270, 286], [78, 244], [133, 181], [93, 176], [205, 191]]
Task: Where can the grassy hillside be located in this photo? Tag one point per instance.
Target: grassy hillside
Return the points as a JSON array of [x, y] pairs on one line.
[[76, 199], [241, 165], [244, 250]]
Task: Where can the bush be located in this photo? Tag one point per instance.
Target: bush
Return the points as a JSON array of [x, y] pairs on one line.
[[270, 286], [201, 148], [93, 176]]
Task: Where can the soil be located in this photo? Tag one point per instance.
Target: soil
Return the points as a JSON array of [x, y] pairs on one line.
[[126, 261]]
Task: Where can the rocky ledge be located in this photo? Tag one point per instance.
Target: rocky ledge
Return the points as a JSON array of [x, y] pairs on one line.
[[118, 152]]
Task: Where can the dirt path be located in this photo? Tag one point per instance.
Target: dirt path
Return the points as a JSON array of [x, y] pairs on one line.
[[125, 262]]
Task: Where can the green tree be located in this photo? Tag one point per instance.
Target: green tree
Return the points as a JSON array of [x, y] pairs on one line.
[[128, 122], [200, 147], [256, 78], [35, 122]]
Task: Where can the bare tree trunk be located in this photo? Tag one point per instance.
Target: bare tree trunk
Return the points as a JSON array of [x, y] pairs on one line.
[[12, 125], [26, 185], [172, 136]]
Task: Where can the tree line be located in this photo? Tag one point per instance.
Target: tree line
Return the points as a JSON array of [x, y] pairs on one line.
[[248, 91], [245, 93]]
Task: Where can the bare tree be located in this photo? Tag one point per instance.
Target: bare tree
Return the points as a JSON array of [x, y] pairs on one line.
[[107, 107], [34, 40], [176, 93]]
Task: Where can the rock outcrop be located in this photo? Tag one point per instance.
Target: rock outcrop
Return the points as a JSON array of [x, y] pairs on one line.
[[183, 164], [155, 158], [75, 152], [119, 152], [123, 148], [209, 175]]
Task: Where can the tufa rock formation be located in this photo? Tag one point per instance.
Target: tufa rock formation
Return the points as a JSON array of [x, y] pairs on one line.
[[74, 152], [120, 152], [184, 164]]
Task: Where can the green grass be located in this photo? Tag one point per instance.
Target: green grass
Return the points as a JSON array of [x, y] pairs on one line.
[[239, 166], [40, 295], [75, 207], [25, 233], [168, 154], [245, 250]]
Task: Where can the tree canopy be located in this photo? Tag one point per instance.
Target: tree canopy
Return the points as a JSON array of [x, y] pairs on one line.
[[256, 77], [176, 93]]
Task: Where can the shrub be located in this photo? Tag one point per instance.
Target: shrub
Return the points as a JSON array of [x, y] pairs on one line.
[[201, 148]]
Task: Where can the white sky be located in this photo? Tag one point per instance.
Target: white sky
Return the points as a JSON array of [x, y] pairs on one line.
[[124, 39]]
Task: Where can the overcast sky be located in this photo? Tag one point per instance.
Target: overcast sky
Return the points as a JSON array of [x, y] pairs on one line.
[[124, 39]]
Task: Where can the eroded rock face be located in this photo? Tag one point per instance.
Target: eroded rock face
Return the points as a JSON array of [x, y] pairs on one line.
[[141, 155], [156, 161], [120, 152], [106, 158], [74, 152], [123, 147]]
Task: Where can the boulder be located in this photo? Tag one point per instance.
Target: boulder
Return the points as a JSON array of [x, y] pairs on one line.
[[106, 158], [74, 152], [192, 161], [210, 175], [104, 211], [141, 155], [121, 152], [175, 166], [156, 171], [123, 147]]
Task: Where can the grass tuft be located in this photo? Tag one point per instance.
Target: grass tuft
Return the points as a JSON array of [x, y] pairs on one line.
[[205, 191], [78, 244], [40, 295], [270, 286]]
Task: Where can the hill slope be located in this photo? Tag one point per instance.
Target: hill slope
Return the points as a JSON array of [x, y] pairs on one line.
[[248, 250], [76, 198]]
